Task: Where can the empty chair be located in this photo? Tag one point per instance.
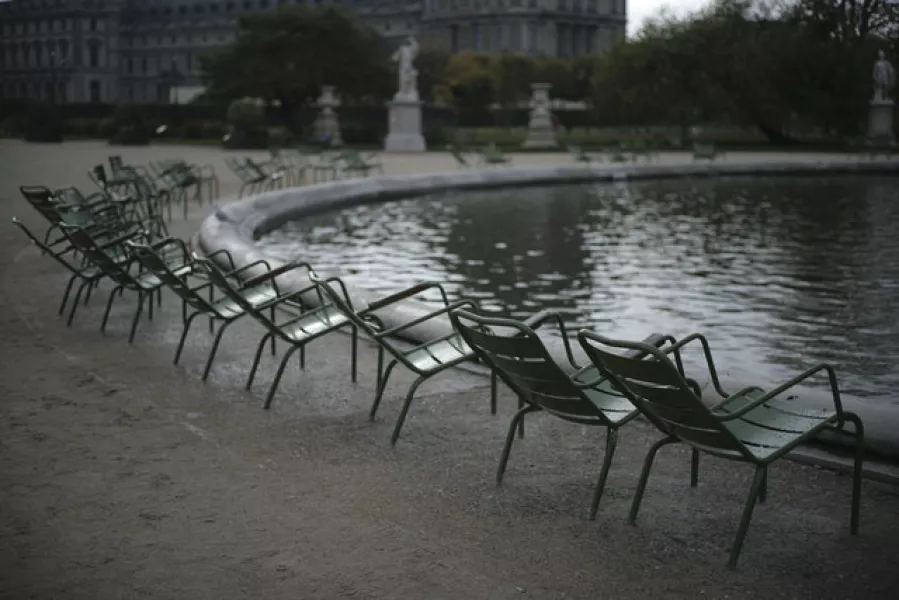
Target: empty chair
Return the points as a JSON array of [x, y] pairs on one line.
[[520, 358], [751, 425], [88, 275], [296, 330], [200, 295], [425, 360], [107, 257]]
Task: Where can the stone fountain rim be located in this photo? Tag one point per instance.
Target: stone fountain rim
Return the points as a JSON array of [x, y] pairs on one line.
[[236, 225]]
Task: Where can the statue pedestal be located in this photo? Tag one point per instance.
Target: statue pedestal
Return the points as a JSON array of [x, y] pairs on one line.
[[541, 133], [326, 125], [880, 122], [404, 126]]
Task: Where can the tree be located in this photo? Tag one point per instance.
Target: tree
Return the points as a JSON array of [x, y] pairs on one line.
[[471, 83], [431, 65], [286, 56]]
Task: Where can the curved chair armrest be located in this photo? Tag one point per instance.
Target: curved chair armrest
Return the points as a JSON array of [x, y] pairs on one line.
[[541, 318], [407, 293], [656, 339], [472, 304], [170, 242], [707, 351], [834, 388], [226, 253], [272, 273]]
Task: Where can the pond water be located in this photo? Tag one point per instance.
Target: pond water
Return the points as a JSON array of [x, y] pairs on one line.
[[779, 273]]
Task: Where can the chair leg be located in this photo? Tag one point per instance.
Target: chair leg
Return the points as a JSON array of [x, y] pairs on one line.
[[856, 470], [354, 344], [140, 306], [754, 492], [277, 379], [112, 295], [380, 366], [492, 391], [384, 378], [644, 476], [611, 443], [521, 403], [510, 438], [694, 467], [65, 296], [75, 304], [274, 347], [252, 374], [302, 356], [87, 296], [763, 488], [187, 323], [405, 410], [214, 349]]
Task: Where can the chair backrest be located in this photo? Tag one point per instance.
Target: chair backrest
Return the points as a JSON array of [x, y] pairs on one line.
[[224, 285], [240, 169], [56, 254], [97, 174], [41, 199], [522, 361], [656, 387], [116, 163], [97, 256], [153, 262]]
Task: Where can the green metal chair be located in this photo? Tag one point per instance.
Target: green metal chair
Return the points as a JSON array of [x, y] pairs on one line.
[[88, 275], [356, 163], [751, 425], [520, 358], [463, 161], [579, 155], [297, 331], [491, 155], [107, 257], [424, 360], [224, 310], [253, 179], [705, 152]]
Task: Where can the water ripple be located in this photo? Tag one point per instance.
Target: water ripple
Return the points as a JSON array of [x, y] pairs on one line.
[[779, 273]]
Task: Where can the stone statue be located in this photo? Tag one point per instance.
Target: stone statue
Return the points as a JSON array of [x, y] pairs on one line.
[[884, 78], [408, 76]]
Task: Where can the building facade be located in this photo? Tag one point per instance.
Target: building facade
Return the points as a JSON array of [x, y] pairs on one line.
[[147, 51]]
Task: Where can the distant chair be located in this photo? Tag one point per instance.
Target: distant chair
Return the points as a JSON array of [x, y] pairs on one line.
[[706, 151]]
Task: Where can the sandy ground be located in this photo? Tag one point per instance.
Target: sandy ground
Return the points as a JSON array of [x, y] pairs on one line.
[[123, 476]]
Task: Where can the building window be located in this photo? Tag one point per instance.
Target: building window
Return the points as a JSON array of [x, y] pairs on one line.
[[533, 34], [93, 55], [143, 65], [95, 92], [454, 38], [476, 36], [93, 24], [129, 66]]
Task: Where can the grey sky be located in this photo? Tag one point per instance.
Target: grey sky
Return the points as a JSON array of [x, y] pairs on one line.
[[639, 10]]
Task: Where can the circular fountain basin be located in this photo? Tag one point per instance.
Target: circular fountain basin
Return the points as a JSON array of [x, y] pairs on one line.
[[778, 272]]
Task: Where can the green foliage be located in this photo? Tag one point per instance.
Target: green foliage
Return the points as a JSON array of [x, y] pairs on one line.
[[245, 113], [289, 53], [13, 125], [42, 123], [471, 83], [129, 127], [742, 62], [280, 137]]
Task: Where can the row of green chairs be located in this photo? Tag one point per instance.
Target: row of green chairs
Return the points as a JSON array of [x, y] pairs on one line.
[[626, 379], [622, 381]]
